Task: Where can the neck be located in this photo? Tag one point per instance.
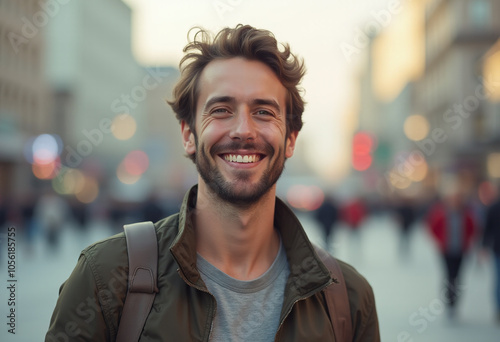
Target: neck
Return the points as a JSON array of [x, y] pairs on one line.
[[240, 241]]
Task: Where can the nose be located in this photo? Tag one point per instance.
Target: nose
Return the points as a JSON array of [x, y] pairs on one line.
[[243, 126]]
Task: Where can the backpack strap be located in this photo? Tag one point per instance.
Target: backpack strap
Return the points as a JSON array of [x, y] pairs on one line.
[[142, 278], [337, 299]]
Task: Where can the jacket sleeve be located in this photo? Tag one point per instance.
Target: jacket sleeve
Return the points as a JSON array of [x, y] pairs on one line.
[[367, 327], [364, 317], [78, 315], [91, 300]]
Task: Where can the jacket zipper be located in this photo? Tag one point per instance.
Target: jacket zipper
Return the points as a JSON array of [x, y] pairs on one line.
[[298, 300], [214, 310]]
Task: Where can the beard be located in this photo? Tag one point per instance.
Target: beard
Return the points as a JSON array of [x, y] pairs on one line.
[[240, 191]]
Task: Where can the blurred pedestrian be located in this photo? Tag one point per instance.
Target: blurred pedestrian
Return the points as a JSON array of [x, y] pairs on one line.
[[451, 223], [151, 209], [354, 213], [51, 213], [79, 211], [27, 208], [327, 215], [491, 240], [405, 214], [3, 211]]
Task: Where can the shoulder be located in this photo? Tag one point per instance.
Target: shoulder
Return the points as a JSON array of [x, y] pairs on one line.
[[358, 288], [107, 253], [109, 256]]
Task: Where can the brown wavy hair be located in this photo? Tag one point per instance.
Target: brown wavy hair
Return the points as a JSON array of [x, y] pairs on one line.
[[241, 41]]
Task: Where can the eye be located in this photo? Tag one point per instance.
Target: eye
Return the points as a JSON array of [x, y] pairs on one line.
[[264, 112], [220, 111]]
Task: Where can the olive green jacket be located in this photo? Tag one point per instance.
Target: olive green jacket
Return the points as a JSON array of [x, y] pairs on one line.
[[91, 300]]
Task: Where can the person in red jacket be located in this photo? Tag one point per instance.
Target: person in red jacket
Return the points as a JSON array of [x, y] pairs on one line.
[[453, 227]]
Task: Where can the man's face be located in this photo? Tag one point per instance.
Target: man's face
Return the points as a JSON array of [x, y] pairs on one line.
[[241, 142]]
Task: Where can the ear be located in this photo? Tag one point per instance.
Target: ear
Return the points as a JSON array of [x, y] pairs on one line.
[[188, 138], [290, 144]]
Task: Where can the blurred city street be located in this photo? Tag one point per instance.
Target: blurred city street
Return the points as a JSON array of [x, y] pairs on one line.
[[399, 153], [407, 290]]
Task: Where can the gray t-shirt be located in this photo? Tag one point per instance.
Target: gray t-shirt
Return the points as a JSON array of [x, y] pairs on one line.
[[246, 310]]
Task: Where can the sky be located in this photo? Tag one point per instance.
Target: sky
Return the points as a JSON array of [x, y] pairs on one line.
[[319, 31]]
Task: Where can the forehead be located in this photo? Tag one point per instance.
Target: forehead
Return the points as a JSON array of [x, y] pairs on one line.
[[240, 78]]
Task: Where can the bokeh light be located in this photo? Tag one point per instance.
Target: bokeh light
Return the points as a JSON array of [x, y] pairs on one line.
[[46, 170], [124, 176], [419, 172], [89, 191], [43, 149], [494, 165], [492, 70], [304, 197], [398, 180], [69, 181], [416, 127], [362, 163], [132, 167], [123, 126], [136, 163], [362, 147]]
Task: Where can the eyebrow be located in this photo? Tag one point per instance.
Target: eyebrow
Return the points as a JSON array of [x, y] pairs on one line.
[[232, 100], [267, 102], [218, 99]]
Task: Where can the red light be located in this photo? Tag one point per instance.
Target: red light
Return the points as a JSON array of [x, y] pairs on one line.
[[364, 140], [136, 163], [361, 163], [362, 146]]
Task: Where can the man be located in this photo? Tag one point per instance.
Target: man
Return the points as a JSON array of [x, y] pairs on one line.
[[234, 264], [452, 225]]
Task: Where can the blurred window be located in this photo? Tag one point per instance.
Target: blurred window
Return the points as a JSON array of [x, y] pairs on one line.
[[479, 13]]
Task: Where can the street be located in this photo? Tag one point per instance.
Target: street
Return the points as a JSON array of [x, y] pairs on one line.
[[408, 292]]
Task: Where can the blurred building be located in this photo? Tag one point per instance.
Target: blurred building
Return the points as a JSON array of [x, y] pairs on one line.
[[100, 96], [23, 111], [369, 104], [451, 92], [94, 78], [425, 98], [393, 64]]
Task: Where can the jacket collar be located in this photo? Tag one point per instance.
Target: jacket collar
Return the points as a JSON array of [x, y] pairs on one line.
[[307, 273]]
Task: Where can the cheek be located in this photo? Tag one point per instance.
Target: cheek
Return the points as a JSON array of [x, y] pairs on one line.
[[211, 133]]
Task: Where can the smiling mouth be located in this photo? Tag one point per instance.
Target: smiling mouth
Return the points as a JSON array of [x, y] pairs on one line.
[[244, 159]]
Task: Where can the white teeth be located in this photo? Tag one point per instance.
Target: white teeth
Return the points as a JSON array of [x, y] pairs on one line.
[[241, 159]]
